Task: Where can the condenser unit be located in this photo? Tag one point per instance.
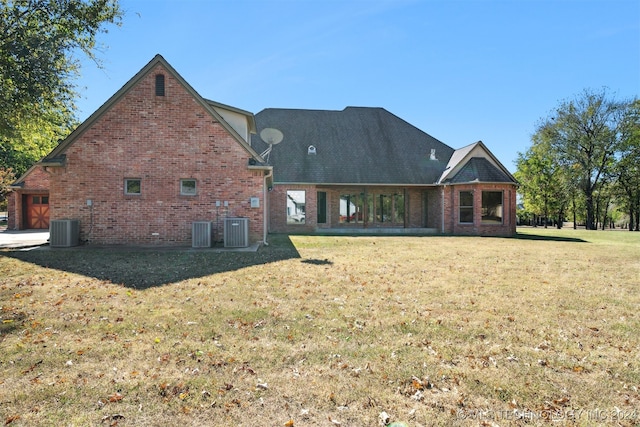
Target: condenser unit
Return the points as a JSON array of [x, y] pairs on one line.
[[64, 233], [201, 234], [236, 232]]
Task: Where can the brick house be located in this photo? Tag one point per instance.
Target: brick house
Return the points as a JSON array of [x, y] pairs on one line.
[[364, 170], [152, 160], [157, 157]]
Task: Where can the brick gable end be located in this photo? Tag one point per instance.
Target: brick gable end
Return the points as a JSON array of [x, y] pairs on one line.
[[159, 140]]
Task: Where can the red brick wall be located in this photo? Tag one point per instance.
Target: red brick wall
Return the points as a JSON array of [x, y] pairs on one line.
[[417, 205], [14, 210], [36, 182], [158, 140]]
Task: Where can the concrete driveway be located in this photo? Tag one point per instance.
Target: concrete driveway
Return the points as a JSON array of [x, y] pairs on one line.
[[23, 238]]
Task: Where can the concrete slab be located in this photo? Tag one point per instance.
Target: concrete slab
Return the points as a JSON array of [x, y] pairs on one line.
[[10, 239], [23, 238]]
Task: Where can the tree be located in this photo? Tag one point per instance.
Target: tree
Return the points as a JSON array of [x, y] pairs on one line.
[[32, 139], [39, 44], [586, 133], [545, 185], [6, 178], [628, 166]]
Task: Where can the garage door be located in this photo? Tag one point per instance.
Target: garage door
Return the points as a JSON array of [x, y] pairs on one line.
[[37, 211]]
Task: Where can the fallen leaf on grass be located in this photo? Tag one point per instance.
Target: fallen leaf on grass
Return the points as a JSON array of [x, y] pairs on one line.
[[31, 368], [11, 419], [114, 417], [115, 397]]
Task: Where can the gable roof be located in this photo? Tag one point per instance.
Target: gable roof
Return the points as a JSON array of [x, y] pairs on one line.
[[475, 163], [481, 170], [56, 156], [357, 145]]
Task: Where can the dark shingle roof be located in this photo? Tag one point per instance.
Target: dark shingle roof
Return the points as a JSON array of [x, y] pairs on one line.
[[479, 169], [356, 145]]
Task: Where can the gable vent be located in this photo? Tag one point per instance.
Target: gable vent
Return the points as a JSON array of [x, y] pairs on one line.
[[159, 84]]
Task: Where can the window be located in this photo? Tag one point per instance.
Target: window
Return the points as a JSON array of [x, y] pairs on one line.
[[45, 200], [398, 209], [466, 207], [389, 208], [188, 187], [132, 186], [322, 207], [492, 207], [160, 85], [296, 207], [351, 208], [378, 208]]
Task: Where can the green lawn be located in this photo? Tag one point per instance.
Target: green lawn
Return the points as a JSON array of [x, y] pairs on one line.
[[541, 329]]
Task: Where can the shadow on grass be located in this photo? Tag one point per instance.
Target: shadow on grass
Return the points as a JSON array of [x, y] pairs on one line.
[[526, 236], [148, 268], [317, 261]]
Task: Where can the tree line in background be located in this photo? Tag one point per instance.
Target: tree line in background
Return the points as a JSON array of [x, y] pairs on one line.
[[40, 41], [584, 164]]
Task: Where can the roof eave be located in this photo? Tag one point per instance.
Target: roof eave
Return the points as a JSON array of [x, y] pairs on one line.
[[16, 185], [54, 162], [355, 184], [479, 182], [261, 167]]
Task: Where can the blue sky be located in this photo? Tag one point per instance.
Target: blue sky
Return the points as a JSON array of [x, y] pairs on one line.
[[460, 70]]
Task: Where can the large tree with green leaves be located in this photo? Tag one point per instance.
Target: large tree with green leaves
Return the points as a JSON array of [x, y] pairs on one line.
[[627, 169], [586, 134], [545, 185], [40, 45]]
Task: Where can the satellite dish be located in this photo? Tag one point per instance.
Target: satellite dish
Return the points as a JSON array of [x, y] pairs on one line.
[[271, 136]]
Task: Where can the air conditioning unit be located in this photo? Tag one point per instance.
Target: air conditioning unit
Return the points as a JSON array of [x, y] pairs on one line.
[[64, 233], [201, 234], [236, 232]]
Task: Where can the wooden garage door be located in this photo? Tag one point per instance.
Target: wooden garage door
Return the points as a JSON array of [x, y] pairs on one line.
[[37, 211]]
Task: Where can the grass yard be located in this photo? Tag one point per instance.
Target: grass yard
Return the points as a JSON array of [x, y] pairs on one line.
[[543, 329]]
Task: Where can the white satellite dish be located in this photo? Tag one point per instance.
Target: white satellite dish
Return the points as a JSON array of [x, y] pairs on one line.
[[272, 137]]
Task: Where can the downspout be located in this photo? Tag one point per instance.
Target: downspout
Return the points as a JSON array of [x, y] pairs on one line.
[[265, 205]]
